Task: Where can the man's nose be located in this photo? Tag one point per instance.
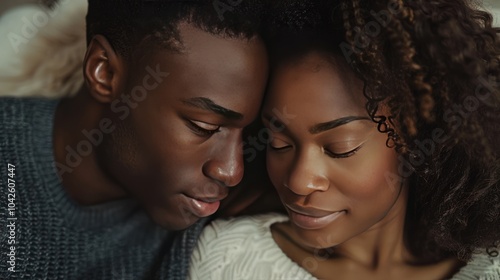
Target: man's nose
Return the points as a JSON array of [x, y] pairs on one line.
[[226, 164]]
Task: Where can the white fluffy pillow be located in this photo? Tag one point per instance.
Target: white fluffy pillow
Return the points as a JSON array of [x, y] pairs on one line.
[[43, 49]]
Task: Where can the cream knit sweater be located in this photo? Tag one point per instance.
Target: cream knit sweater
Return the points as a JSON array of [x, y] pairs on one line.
[[243, 248]]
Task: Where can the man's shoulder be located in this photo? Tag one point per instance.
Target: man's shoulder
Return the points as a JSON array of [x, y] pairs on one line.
[[21, 120], [11, 102], [9, 106], [16, 113], [12, 118], [15, 108]]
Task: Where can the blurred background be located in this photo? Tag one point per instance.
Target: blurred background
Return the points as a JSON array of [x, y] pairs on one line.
[[7, 4], [494, 7], [41, 49]]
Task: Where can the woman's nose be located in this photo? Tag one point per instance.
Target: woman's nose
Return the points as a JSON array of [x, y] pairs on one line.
[[307, 175]]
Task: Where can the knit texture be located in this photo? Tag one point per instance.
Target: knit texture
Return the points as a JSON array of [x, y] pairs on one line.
[[244, 249], [54, 237]]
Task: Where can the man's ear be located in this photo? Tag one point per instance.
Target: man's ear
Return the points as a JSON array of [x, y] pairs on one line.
[[103, 70]]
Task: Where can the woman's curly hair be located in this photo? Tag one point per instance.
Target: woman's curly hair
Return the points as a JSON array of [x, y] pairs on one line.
[[434, 65]]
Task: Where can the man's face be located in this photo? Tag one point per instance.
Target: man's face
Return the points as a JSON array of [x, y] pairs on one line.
[[178, 142]]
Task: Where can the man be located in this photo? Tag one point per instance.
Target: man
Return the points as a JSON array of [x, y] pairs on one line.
[[93, 186]]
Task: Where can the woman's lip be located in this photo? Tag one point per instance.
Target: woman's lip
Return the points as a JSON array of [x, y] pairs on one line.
[[201, 208], [310, 222], [307, 211]]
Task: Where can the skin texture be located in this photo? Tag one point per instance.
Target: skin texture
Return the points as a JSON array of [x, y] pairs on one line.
[[180, 140], [344, 167]]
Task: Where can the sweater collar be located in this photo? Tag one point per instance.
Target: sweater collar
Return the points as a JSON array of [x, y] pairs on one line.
[[96, 216]]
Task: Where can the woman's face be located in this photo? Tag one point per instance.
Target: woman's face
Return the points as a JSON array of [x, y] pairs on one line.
[[327, 160]]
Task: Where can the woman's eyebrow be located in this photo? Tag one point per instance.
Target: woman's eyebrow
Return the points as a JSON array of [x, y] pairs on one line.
[[321, 127]]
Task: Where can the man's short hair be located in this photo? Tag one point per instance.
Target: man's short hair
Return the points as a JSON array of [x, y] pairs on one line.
[[126, 23]]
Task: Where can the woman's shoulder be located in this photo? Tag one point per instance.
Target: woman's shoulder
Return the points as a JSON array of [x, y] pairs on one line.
[[256, 224], [238, 234], [242, 248], [481, 266]]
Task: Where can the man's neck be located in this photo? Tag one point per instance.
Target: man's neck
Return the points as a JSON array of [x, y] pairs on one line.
[[84, 179]]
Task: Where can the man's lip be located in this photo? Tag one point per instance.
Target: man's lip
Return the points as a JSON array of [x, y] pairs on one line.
[[201, 208], [208, 199]]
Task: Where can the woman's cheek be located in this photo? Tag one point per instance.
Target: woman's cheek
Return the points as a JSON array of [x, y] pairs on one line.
[[371, 174]]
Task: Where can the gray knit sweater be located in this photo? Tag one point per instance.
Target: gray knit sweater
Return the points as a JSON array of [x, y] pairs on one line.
[[45, 235]]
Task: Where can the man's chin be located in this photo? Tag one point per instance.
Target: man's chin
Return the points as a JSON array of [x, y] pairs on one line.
[[179, 222]]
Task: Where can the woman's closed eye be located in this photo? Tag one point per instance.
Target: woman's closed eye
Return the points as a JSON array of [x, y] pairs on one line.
[[203, 129], [347, 154], [280, 145]]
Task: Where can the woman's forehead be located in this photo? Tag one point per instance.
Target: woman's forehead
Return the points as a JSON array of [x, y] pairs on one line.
[[317, 82]]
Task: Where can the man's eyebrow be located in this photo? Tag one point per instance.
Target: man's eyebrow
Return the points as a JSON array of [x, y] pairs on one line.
[[335, 123], [207, 104]]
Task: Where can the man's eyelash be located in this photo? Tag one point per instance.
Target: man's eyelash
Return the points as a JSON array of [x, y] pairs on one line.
[[201, 131], [279, 149]]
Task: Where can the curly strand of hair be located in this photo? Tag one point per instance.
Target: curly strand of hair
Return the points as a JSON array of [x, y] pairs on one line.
[[407, 13], [425, 96], [402, 38], [359, 23], [347, 24], [372, 59], [372, 105], [364, 56], [357, 13], [458, 185], [401, 41]]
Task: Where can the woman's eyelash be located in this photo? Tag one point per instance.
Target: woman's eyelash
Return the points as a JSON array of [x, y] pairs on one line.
[[343, 155], [331, 154], [201, 131]]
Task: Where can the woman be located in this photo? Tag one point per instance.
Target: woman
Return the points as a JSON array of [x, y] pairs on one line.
[[386, 162]]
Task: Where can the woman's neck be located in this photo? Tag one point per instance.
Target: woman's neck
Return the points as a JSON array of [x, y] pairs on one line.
[[381, 245], [379, 251]]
